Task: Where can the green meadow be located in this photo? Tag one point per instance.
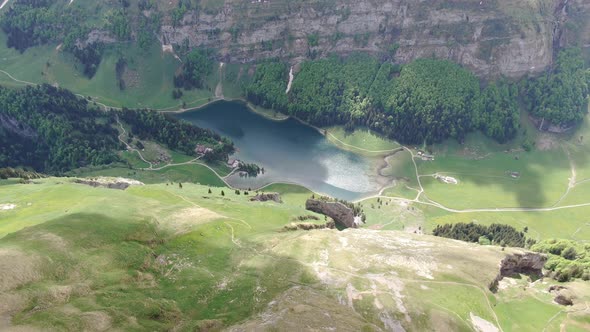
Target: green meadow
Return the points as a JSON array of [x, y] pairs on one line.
[[162, 256], [149, 75]]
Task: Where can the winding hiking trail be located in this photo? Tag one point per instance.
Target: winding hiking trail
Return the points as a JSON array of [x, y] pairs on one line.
[[194, 161], [430, 202], [240, 222]]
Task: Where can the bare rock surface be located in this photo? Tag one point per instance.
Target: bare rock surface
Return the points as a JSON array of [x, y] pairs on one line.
[[110, 183], [266, 197], [528, 263], [341, 213], [489, 37]]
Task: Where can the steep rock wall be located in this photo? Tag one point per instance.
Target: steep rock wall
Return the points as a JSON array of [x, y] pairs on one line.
[[491, 37]]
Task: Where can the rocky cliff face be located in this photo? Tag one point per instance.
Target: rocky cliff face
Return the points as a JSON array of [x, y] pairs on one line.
[[341, 214], [491, 37], [529, 263]]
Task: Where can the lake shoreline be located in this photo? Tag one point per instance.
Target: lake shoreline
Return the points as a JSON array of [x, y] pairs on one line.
[[240, 100], [378, 160]]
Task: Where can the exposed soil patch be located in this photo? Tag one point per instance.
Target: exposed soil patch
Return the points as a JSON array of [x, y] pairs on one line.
[[546, 142], [16, 269], [481, 324], [97, 321], [131, 78], [446, 179], [184, 220]]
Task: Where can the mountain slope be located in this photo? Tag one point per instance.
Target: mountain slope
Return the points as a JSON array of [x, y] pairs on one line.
[[164, 257]]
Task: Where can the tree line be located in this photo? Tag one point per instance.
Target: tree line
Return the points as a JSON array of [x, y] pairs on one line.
[[52, 131], [496, 234], [176, 134], [427, 100]]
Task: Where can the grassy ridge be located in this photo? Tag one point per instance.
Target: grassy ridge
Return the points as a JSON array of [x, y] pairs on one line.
[[162, 257]]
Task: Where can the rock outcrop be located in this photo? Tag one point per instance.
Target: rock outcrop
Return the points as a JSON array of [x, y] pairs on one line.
[[563, 295], [110, 183], [308, 226], [492, 38], [266, 197], [20, 129], [339, 212], [529, 263], [563, 300]]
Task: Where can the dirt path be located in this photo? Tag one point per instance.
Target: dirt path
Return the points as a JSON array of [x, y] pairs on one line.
[[572, 180], [3, 4], [129, 147], [227, 223], [448, 209]]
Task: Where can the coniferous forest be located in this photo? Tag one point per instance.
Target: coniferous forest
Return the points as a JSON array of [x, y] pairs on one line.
[[52, 130], [497, 234], [427, 100]]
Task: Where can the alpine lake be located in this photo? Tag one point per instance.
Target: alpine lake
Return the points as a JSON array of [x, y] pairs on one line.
[[290, 152]]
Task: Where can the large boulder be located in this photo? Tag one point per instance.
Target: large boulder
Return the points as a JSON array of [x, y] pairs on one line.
[[562, 294], [529, 263], [341, 213]]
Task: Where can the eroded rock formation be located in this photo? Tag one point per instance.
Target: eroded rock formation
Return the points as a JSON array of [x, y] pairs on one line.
[[529, 263], [341, 213]]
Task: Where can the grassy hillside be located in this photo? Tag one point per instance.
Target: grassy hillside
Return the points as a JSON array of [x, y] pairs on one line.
[[163, 257], [148, 76]]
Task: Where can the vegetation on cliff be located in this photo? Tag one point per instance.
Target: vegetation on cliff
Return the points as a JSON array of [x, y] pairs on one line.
[[52, 130], [29, 23], [196, 66], [427, 100], [561, 95]]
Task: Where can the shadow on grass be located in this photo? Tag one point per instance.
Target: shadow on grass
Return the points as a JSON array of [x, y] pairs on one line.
[[529, 176], [138, 276]]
